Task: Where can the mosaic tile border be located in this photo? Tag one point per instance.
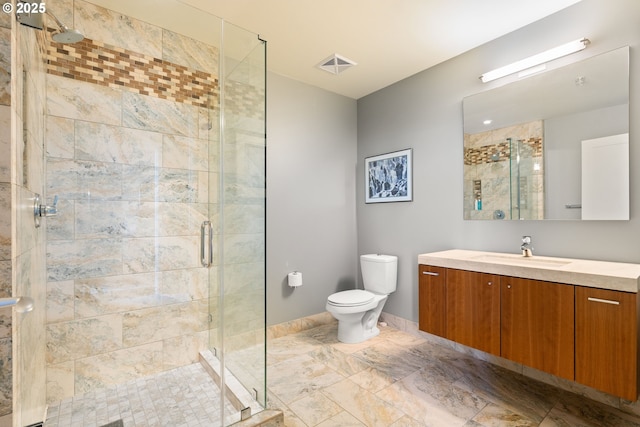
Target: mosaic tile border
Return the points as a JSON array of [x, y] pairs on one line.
[[484, 154], [96, 62]]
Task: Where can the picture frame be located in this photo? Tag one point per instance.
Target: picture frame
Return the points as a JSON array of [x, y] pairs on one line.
[[389, 177]]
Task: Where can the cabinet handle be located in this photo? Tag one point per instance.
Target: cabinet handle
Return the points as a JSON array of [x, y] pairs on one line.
[[429, 273], [606, 301], [490, 283]]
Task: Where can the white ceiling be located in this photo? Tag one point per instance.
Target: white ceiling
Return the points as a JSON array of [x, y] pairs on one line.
[[388, 39]]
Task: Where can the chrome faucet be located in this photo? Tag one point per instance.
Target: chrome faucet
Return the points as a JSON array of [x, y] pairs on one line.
[[527, 250]]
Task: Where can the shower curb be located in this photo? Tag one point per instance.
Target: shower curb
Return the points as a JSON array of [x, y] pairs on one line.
[[239, 397]]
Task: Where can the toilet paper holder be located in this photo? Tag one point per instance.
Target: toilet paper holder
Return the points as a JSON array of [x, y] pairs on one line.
[[294, 279]]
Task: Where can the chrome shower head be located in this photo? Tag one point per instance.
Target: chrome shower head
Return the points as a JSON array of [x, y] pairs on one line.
[[65, 34]]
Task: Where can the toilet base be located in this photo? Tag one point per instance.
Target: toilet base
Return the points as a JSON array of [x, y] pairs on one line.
[[350, 334], [354, 328]]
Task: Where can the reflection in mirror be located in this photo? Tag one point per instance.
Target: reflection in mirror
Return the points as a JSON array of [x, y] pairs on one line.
[[523, 144], [506, 170]]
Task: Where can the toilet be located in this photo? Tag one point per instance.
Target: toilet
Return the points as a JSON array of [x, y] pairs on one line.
[[357, 310]]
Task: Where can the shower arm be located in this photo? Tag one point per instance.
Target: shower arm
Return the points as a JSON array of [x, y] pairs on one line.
[[60, 25], [64, 34]]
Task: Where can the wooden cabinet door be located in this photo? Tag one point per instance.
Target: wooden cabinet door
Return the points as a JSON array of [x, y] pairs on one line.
[[473, 310], [607, 341], [538, 325], [431, 297]]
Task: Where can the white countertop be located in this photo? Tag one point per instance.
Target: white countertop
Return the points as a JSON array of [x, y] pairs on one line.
[[616, 276]]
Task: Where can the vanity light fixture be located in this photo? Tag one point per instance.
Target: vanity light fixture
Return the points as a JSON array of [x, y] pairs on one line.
[[536, 60]]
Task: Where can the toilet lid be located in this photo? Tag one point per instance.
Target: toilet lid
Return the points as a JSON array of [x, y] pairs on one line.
[[351, 298]]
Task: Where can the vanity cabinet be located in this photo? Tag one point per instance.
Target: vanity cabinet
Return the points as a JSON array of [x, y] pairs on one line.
[[606, 341], [431, 295], [537, 325], [576, 319], [473, 309]]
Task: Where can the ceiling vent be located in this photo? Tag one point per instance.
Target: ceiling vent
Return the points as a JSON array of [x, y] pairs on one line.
[[335, 64]]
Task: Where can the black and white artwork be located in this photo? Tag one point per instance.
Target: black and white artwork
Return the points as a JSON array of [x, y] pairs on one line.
[[388, 177]]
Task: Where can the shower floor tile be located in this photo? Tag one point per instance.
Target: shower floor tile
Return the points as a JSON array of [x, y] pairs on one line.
[[182, 397]]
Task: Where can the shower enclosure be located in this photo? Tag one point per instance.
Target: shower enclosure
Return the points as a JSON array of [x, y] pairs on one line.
[[152, 135], [504, 173]]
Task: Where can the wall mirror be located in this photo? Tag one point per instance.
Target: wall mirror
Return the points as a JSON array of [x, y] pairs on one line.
[[551, 146]]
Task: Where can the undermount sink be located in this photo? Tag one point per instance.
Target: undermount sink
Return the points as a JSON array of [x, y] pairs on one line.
[[522, 260]]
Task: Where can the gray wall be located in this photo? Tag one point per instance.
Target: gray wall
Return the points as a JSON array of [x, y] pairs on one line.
[[424, 112], [563, 138], [311, 196]]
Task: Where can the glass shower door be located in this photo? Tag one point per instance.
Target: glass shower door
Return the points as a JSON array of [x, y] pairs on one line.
[[137, 173], [136, 186], [237, 202], [527, 195]]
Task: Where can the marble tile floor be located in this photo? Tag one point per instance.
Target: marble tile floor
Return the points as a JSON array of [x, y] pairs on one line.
[[181, 397], [399, 380]]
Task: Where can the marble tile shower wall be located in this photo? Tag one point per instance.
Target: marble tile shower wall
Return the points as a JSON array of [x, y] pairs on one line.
[[480, 151], [22, 255], [129, 157], [5, 213]]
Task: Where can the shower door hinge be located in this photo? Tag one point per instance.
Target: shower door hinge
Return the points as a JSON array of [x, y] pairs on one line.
[[210, 318]]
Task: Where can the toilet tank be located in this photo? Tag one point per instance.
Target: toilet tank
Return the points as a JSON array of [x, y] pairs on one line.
[[379, 273]]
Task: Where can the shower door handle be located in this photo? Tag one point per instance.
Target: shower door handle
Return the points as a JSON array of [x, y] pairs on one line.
[[22, 304], [206, 244]]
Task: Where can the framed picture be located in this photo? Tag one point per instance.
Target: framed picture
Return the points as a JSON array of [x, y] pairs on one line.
[[388, 177]]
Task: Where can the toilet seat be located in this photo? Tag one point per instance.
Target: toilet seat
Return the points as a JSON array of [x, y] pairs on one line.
[[351, 298]]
